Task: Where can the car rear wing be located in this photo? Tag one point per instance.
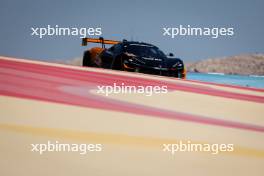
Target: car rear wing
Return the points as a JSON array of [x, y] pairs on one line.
[[99, 40]]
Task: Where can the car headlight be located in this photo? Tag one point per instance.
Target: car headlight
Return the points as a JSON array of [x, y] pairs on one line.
[[178, 64]]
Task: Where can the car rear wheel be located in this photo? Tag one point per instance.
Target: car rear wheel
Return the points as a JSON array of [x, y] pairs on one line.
[[87, 59]]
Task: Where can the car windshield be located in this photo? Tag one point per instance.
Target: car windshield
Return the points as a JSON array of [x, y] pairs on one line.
[[145, 50]]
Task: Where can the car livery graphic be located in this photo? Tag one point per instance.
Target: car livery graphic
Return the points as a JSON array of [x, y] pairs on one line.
[[132, 56]]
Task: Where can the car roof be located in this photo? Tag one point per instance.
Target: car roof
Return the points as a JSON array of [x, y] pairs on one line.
[[136, 43]]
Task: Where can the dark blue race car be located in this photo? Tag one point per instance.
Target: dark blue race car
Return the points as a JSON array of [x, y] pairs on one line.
[[132, 56]]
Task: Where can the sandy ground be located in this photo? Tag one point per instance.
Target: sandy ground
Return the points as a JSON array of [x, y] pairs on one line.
[[43, 102]]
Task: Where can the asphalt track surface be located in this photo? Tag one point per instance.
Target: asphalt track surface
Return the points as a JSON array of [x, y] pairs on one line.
[[42, 101]]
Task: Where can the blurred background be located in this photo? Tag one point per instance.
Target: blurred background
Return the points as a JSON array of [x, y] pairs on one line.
[[132, 20]]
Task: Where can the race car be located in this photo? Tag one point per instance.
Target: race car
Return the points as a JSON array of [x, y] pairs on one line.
[[132, 56]]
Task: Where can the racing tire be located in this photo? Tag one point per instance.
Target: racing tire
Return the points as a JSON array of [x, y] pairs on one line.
[[87, 59]]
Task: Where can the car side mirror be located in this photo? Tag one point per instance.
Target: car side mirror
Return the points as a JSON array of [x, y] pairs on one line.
[[171, 54]]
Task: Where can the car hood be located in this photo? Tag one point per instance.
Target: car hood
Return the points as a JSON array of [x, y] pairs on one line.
[[151, 61]]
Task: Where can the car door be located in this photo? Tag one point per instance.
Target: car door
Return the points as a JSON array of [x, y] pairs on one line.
[[108, 56]]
